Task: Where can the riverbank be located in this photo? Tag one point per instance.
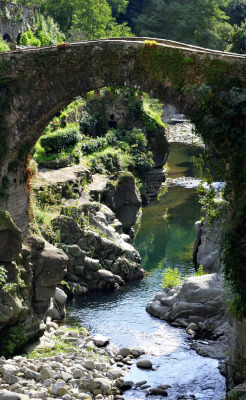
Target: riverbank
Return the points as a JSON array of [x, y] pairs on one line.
[[68, 364]]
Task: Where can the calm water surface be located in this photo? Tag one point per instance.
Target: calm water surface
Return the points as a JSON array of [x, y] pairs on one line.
[[164, 237]]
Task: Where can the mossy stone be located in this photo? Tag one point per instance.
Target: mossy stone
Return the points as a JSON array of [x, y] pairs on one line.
[[10, 238]]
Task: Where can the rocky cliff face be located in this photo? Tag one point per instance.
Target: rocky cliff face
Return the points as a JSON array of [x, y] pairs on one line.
[[32, 275], [91, 251]]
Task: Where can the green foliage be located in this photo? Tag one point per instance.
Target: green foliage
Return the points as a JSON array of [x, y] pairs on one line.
[[85, 19], [171, 277], [87, 122], [55, 142], [47, 30], [118, 6], [219, 121], [107, 161], [3, 45], [12, 339], [200, 271], [59, 346], [94, 144], [199, 22], [238, 38], [236, 395], [29, 39], [6, 287]]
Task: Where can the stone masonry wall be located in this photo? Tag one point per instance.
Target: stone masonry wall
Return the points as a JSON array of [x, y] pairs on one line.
[[14, 20], [37, 83]]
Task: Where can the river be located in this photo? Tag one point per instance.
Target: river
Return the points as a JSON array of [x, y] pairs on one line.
[[164, 237]]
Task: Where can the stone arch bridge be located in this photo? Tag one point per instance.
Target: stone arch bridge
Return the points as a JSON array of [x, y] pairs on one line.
[[37, 83]]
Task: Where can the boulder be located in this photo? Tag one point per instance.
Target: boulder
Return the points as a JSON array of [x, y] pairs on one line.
[[10, 238], [100, 340], [126, 200], [144, 363], [60, 297]]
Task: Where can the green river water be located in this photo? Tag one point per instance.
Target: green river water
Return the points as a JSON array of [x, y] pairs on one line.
[[164, 237]]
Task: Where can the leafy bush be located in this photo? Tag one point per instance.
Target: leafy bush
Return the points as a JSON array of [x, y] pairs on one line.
[[47, 29], [55, 142], [87, 122], [6, 287], [136, 138], [171, 277], [144, 162], [29, 39], [12, 339], [200, 271], [106, 161], [3, 45], [94, 144], [44, 38]]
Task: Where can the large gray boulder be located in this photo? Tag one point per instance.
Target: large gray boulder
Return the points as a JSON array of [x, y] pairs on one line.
[[50, 267], [10, 238], [200, 300], [126, 200]]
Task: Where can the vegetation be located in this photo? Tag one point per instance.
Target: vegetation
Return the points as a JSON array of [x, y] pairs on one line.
[[6, 287], [12, 339], [117, 149], [45, 32], [60, 345], [172, 277], [3, 45]]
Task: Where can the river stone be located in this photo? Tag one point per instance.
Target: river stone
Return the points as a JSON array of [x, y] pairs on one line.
[[115, 373], [58, 385], [100, 340], [12, 369], [158, 392], [10, 379], [89, 364], [126, 386], [60, 297], [77, 373], [7, 395], [105, 384], [66, 376], [140, 383], [192, 327], [164, 387], [124, 352], [74, 333], [45, 374], [144, 363]]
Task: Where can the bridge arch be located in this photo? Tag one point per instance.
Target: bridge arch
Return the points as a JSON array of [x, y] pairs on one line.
[[35, 84]]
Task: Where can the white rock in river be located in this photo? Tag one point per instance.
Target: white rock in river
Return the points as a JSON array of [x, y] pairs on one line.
[[100, 340]]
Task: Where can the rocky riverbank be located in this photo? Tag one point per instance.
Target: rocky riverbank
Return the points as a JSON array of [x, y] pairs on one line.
[[69, 364], [198, 306], [181, 131]]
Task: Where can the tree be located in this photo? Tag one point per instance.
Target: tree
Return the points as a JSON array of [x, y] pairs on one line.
[[238, 38], [195, 21], [236, 10], [118, 7]]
